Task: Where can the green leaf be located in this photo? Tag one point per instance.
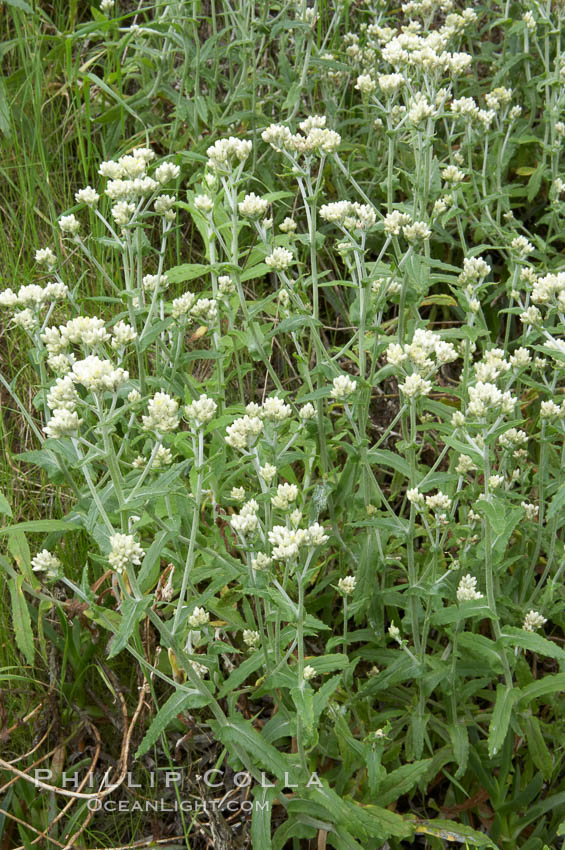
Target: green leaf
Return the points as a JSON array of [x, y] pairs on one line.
[[261, 819], [456, 613], [5, 506], [557, 503], [240, 674], [21, 619], [481, 646], [532, 641], [20, 4], [132, 611], [241, 733], [500, 720], [537, 747], [41, 525], [177, 702], [19, 550], [402, 780], [187, 271], [460, 743], [449, 830], [380, 457], [543, 687]]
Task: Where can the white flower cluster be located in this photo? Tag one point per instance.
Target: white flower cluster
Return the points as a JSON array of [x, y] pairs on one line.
[[492, 365], [343, 387], [124, 551], [46, 562], [279, 259], [98, 375], [129, 182], [348, 215], [162, 414], [550, 290], [273, 409], [467, 589], [439, 502], [287, 542], [428, 52], [242, 433], [153, 282], [425, 354], [347, 585], [251, 637], [201, 410], [475, 269], [32, 299], [395, 221], [533, 620], [315, 137], [253, 206], [199, 617], [485, 397], [225, 155], [286, 494], [246, 521], [203, 309]]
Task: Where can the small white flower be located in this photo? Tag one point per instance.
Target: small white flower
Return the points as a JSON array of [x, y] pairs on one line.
[[45, 256], [307, 411], [267, 472], [251, 638], [394, 632], [286, 493], [467, 589], [199, 617], [204, 203], [418, 231], [280, 259], [122, 334], [275, 410], [201, 411], [87, 196], [365, 84], [288, 225], [531, 510], [226, 286], [162, 414], [533, 620], [46, 562], [181, 306], [347, 585], [238, 493], [63, 423], [151, 282], [25, 319], [343, 387], [253, 206], [439, 502], [163, 457], [309, 672], [69, 224], [62, 395], [415, 497], [415, 386], [316, 535], [124, 551], [205, 309], [98, 375], [260, 561], [242, 433], [164, 206], [167, 172]]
